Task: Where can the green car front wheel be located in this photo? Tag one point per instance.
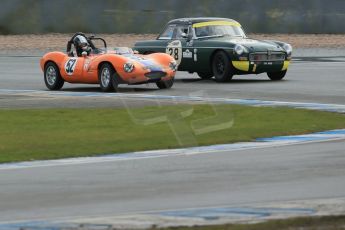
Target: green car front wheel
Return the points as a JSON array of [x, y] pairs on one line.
[[165, 84], [222, 69]]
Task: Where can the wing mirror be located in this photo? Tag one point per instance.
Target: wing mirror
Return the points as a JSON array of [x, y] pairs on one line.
[[186, 36]]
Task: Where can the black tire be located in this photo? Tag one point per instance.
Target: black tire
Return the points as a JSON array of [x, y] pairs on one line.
[[205, 75], [222, 69], [277, 76], [165, 84], [107, 78], [52, 76]]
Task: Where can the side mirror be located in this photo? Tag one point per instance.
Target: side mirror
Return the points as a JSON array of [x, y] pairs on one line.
[[184, 35], [84, 54], [135, 51], [188, 37]]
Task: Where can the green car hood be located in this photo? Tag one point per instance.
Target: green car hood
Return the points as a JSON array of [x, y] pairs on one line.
[[251, 44]]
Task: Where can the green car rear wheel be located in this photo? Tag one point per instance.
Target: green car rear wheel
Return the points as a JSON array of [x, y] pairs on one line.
[[205, 75]]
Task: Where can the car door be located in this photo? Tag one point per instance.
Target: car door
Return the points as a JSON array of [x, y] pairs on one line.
[[181, 48], [73, 69], [202, 51], [188, 56]]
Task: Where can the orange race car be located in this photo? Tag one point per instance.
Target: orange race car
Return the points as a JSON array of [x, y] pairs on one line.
[[85, 63]]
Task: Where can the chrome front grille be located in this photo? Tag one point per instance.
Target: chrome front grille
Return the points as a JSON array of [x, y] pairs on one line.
[[155, 74], [267, 56]]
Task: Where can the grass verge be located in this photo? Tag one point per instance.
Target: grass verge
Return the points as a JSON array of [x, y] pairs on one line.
[[32, 134], [302, 223]]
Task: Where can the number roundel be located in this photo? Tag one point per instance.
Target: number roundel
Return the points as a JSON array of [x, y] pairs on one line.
[[70, 65], [174, 49]]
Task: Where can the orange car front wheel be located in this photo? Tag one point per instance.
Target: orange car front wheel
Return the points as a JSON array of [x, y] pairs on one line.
[[106, 77], [167, 84]]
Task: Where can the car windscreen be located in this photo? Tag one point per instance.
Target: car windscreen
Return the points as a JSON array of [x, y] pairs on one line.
[[219, 30], [123, 50], [167, 33]]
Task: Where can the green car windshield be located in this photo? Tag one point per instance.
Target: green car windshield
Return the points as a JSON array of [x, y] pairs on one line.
[[218, 29]]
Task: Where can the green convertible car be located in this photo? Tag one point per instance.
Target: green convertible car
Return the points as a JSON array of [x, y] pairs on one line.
[[218, 47]]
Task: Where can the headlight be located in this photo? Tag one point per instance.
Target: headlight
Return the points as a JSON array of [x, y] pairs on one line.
[[287, 48], [128, 67], [239, 49], [173, 65]]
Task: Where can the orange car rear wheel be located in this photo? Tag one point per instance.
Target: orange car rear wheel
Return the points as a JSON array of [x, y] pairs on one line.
[[52, 76], [106, 78]]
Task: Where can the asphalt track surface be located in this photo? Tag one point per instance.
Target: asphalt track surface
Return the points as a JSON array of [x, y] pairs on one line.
[[237, 178], [319, 80], [214, 179]]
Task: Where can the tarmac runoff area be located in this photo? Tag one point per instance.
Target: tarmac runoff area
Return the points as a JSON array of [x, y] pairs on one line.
[[314, 78], [191, 217], [283, 176]]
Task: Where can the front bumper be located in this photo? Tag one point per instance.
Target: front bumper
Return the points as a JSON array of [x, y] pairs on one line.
[[247, 67], [140, 76]]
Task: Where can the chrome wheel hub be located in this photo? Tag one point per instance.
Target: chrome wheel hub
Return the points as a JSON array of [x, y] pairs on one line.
[[220, 65], [105, 77], [51, 75]]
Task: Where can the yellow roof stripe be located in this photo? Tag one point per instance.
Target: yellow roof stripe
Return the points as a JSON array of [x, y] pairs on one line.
[[216, 23]]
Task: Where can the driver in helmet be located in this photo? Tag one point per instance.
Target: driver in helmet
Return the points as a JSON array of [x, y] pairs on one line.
[[81, 45]]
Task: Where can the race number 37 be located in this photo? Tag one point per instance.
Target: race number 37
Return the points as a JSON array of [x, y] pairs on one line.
[[174, 49], [70, 65]]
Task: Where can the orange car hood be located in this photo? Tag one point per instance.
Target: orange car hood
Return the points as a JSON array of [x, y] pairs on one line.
[[147, 63]]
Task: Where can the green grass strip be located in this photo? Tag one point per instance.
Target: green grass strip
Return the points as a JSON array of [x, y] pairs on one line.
[[36, 134]]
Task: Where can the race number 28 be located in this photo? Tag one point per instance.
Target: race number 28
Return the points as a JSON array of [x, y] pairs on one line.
[[174, 53], [174, 49]]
